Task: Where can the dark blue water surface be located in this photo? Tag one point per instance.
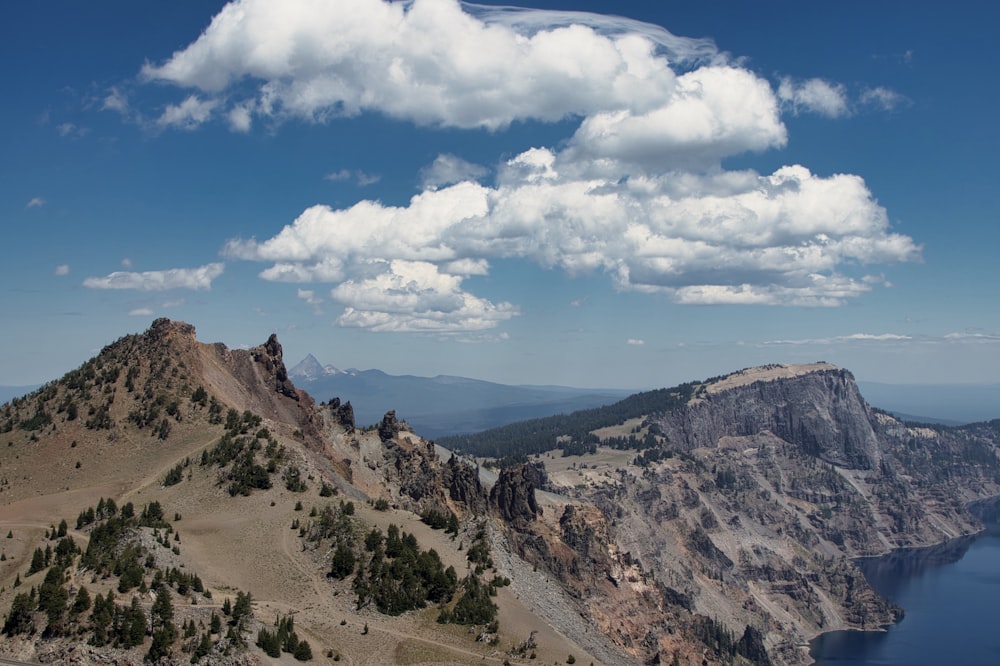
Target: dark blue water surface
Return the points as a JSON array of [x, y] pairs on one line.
[[951, 597]]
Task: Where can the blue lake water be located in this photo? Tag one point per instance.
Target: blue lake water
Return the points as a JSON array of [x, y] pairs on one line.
[[951, 597]]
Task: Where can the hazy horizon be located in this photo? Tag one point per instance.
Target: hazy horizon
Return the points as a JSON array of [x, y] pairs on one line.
[[954, 403]]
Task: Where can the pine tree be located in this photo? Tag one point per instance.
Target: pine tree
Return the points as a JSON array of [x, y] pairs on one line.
[[162, 613], [203, 648], [343, 562], [242, 608], [37, 562], [82, 602], [52, 598], [19, 619], [160, 647], [302, 651]]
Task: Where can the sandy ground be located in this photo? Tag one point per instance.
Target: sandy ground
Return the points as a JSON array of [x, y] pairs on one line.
[[767, 373]]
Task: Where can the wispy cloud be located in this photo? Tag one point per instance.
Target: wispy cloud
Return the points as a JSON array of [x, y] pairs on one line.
[[814, 96], [72, 130], [449, 169], [175, 278], [241, 117], [976, 338], [36, 202], [635, 342], [310, 297], [115, 100], [61, 270], [189, 114], [360, 177], [837, 339], [883, 99], [833, 100], [891, 339], [337, 176]]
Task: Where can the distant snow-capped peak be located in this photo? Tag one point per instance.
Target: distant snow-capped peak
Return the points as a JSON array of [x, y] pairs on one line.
[[310, 368]]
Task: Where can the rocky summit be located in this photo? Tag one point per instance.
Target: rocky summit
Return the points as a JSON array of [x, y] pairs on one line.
[[173, 501]]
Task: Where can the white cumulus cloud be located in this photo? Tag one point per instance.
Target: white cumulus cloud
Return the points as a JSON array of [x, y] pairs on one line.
[[636, 191], [413, 296], [725, 238], [433, 62]]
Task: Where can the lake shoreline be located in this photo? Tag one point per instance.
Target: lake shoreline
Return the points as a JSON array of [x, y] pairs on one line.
[[909, 562]]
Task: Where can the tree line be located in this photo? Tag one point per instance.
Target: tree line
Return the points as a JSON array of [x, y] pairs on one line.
[[573, 430]]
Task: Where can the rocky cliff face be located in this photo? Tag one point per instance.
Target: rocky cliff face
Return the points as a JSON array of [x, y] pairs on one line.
[[819, 411], [765, 484]]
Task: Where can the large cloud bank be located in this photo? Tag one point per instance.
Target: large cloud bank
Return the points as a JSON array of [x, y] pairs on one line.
[[637, 191]]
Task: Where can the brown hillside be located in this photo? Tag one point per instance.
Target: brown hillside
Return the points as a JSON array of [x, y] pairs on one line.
[[115, 427], [190, 476]]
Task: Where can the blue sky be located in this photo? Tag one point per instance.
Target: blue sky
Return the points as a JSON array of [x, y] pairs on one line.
[[550, 195]]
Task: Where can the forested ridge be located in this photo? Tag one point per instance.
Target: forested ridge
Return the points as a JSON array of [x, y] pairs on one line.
[[575, 429]]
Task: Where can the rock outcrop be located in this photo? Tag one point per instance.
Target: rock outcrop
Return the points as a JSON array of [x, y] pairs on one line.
[[513, 496], [463, 485], [388, 429], [269, 356], [343, 414]]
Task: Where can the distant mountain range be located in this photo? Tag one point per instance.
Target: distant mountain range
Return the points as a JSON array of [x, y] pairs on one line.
[[446, 405], [442, 405]]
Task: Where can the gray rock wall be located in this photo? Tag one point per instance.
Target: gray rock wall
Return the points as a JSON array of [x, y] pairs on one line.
[[822, 412]]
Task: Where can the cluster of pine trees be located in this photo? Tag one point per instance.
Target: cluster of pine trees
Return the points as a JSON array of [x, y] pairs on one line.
[[283, 639], [567, 430], [397, 576], [239, 452], [393, 574], [56, 607], [475, 606]]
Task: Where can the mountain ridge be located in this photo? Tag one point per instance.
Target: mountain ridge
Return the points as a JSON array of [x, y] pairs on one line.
[[713, 522], [445, 404]]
